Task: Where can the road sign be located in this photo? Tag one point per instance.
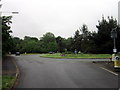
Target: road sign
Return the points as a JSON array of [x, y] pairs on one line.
[[114, 50], [117, 62]]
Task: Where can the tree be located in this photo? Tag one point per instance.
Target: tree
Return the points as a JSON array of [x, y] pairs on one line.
[[103, 40], [81, 40], [48, 42], [84, 31], [16, 44], [70, 44], [7, 44], [85, 39], [61, 44], [48, 37], [29, 45], [77, 41]]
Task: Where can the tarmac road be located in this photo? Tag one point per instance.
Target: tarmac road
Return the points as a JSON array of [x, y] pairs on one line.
[[38, 72]]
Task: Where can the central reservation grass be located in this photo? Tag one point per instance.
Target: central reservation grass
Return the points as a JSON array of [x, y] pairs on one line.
[[58, 55]]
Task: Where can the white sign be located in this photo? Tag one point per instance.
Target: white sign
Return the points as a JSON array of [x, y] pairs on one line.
[[114, 50]]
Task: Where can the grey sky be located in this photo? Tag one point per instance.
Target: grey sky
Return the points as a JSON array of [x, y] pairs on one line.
[[61, 17]]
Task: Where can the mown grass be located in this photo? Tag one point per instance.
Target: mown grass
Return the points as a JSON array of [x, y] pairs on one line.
[[0, 82], [58, 55], [7, 82]]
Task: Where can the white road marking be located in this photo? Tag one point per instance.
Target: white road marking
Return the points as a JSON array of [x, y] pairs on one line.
[[109, 71]]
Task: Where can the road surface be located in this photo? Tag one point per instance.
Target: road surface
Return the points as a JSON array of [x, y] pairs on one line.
[[38, 72]]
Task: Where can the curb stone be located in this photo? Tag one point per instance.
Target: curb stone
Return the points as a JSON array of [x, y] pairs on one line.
[[16, 75]]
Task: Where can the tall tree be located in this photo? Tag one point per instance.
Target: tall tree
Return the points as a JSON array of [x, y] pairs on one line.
[[77, 41], [6, 37], [60, 44], [85, 41], [103, 39], [84, 31]]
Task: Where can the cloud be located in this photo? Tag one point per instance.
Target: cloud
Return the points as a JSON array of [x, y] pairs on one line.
[[62, 17]]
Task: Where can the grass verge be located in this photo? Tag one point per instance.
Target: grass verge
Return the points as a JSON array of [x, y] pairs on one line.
[[82, 56], [0, 82], [7, 82]]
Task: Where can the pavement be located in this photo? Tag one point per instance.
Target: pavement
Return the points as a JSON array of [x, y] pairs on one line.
[[38, 72], [8, 66]]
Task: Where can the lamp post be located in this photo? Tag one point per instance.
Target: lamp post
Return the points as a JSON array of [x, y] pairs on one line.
[[114, 36], [115, 58]]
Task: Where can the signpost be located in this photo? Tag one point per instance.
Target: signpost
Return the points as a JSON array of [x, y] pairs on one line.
[[117, 62], [114, 36], [115, 58]]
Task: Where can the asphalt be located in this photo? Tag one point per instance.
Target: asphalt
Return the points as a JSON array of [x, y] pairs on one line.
[[38, 72], [108, 65]]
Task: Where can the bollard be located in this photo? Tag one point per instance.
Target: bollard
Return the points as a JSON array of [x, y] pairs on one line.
[[117, 62]]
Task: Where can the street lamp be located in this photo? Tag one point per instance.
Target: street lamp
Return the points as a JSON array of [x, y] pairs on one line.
[[114, 36]]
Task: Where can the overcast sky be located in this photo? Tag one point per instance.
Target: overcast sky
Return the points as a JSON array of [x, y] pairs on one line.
[[61, 17]]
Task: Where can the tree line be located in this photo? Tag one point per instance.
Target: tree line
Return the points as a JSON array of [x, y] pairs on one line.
[[83, 41]]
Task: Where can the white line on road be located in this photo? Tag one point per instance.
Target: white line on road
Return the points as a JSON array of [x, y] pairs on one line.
[[109, 71]]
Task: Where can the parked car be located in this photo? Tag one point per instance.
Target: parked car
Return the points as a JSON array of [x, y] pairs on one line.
[[17, 53], [51, 52]]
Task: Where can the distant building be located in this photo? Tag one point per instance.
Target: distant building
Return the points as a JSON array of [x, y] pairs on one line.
[[119, 12]]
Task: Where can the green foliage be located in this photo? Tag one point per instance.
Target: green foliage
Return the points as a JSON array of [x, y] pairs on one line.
[[48, 37], [83, 40], [61, 43], [96, 42], [69, 44], [28, 45], [32, 45], [103, 41], [84, 31], [77, 41], [49, 43], [16, 44], [7, 43]]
